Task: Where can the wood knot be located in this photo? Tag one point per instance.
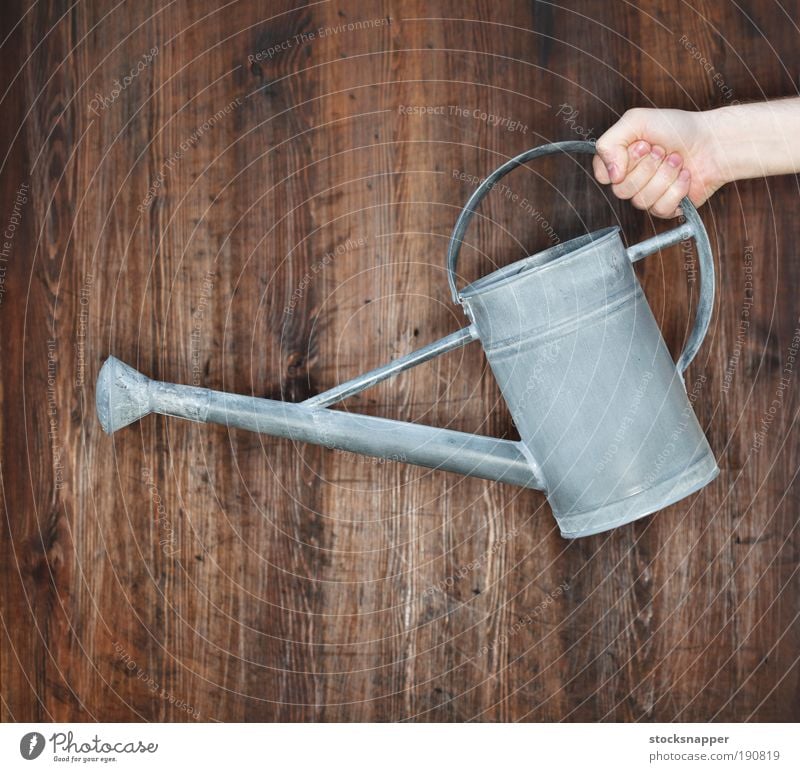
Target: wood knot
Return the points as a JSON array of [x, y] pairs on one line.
[[295, 364]]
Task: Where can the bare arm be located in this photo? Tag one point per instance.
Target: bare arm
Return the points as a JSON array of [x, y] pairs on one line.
[[656, 157]]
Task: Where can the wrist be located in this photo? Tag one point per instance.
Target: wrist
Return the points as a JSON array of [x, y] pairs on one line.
[[721, 140]]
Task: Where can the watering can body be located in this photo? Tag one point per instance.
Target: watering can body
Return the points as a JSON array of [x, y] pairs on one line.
[[599, 404], [606, 427]]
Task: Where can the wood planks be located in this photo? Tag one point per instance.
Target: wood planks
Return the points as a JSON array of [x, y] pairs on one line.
[[253, 208]]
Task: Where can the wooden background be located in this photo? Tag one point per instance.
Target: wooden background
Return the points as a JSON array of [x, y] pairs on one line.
[[179, 572]]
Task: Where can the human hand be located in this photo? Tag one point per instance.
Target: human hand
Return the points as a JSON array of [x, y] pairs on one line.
[[656, 157]]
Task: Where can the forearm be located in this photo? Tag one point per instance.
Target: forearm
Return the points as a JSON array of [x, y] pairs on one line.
[[755, 140]]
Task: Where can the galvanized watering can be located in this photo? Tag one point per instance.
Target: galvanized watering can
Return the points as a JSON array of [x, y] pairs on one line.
[[607, 430]]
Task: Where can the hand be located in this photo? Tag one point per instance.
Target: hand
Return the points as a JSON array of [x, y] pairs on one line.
[[656, 157]]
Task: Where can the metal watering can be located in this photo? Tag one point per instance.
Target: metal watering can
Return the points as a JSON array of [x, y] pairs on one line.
[[607, 430]]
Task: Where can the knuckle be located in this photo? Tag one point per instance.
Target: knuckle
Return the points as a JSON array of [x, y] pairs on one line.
[[622, 191], [633, 115], [667, 173], [653, 164], [638, 202], [674, 197], [658, 190]]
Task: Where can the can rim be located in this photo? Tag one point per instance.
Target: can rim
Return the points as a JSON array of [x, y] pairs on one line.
[[539, 261]]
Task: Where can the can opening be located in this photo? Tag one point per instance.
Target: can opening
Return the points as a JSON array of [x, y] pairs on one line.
[[540, 259]]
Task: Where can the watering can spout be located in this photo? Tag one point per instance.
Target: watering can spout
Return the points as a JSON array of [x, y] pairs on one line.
[[124, 395]]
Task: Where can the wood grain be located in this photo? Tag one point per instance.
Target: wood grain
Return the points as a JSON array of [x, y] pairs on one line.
[[178, 572]]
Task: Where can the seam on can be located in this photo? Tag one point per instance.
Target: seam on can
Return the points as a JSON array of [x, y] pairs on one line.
[[544, 334]]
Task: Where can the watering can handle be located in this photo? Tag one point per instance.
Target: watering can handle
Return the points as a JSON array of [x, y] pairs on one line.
[[692, 228]]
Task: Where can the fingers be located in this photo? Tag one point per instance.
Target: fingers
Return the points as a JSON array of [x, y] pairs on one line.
[[634, 153], [641, 174], [612, 147], [659, 183], [667, 205], [655, 181]]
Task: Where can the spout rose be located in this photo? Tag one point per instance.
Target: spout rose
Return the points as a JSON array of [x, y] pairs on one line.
[[122, 395]]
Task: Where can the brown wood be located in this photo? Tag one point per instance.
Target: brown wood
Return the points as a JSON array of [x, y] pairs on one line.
[[179, 572]]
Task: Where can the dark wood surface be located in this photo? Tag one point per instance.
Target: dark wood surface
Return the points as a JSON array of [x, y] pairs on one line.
[[181, 572]]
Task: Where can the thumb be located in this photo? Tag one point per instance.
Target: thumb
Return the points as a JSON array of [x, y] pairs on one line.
[[612, 147]]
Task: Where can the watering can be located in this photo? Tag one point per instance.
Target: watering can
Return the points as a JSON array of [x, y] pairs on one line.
[[606, 427]]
